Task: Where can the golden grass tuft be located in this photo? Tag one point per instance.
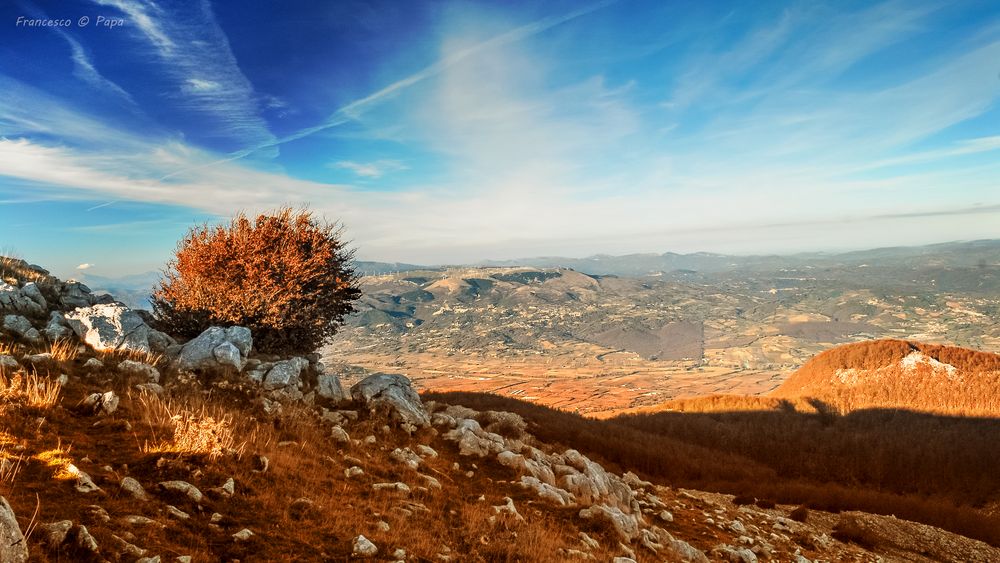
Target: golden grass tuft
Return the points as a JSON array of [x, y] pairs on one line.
[[63, 350], [150, 358], [58, 458], [201, 431], [31, 389]]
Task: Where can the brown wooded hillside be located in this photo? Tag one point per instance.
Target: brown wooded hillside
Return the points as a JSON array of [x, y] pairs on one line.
[[900, 374]]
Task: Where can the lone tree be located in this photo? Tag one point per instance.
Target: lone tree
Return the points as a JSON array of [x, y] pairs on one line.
[[285, 275]]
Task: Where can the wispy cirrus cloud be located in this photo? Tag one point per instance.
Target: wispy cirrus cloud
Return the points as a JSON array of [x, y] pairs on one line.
[[196, 53]]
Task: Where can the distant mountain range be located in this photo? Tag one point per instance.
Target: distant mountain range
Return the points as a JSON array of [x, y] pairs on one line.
[[932, 260]]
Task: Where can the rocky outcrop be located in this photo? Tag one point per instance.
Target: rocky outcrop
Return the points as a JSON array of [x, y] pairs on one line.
[[116, 327], [394, 392], [21, 327], [13, 547], [216, 348], [25, 300]]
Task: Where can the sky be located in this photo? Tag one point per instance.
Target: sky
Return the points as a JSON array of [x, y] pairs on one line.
[[452, 132]]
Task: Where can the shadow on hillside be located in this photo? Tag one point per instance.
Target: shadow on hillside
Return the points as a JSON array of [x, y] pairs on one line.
[[939, 470]]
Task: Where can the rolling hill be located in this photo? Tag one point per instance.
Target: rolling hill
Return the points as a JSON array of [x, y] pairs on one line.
[[900, 374]]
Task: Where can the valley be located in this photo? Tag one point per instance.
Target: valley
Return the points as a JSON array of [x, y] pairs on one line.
[[603, 344]]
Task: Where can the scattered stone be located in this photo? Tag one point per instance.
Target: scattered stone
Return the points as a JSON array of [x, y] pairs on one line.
[[508, 509], [9, 363], [85, 541], [13, 546], [133, 488], [92, 364], [101, 403], [363, 547], [353, 471], [473, 440], [406, 457], [396, 487], [97, 513], [426, 451], [182, 488], [137, 520], [17, 300], [177, 513], [666, 516], [54, 533], [340, 435], [145, 371], [123, 547], [243, 535], [20, 326], [627, 525], [382, 526], [84, 484]]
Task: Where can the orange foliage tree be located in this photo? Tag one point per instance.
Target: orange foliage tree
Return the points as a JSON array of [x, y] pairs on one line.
[[285, 275]]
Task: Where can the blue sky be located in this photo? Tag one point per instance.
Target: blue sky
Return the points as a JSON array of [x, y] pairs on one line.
[[446, 132]]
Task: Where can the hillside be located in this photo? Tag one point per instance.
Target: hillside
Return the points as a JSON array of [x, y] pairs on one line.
[[121, 443], [901, 374]]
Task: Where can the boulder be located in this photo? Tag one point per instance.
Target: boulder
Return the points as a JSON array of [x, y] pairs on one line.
[[396, 393], [285, 373], [57, 328], [73, 294], [328, 386], [13, 546], [473, 440], [14, 300], [627, 525], [216, 348], [115, 327], [20, 326]]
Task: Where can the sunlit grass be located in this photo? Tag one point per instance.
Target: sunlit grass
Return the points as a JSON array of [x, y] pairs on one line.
[[31, 389], [58, 459], [150, 358], [194, 432]]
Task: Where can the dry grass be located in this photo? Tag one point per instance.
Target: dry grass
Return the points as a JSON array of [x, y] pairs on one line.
[[201, 431], [59, 460], [150, 358], [63, 350], [31, 389]]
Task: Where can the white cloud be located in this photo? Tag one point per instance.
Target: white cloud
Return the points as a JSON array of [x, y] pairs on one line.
[[198, 85], [375, 169], [85, 266]]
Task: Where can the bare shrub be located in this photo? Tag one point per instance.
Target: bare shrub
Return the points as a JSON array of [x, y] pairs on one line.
[[287, 276]]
